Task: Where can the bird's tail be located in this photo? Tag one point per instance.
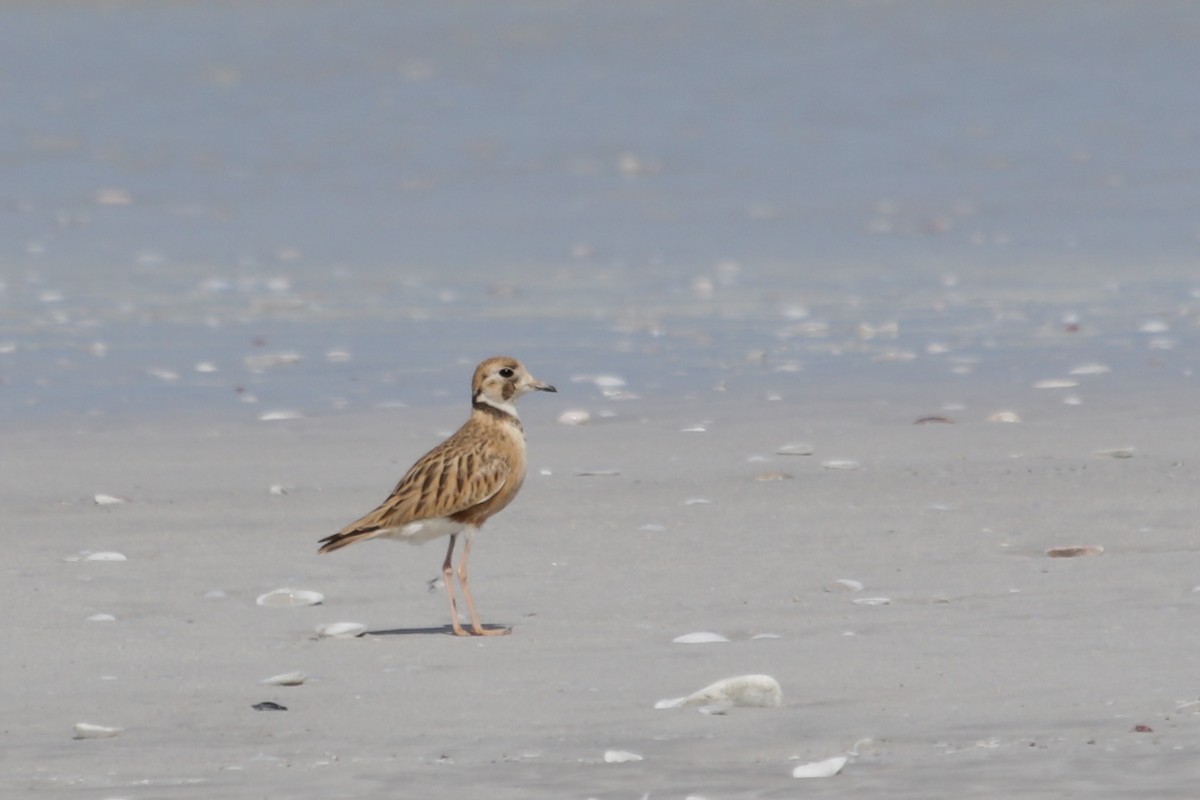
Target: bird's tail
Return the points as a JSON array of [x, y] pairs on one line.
[[339, 540]]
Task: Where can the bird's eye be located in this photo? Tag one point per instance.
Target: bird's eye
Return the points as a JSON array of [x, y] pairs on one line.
[[506, 373]]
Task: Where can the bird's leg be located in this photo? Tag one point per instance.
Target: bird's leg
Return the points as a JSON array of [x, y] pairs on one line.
[[476, 628], [448, 580]]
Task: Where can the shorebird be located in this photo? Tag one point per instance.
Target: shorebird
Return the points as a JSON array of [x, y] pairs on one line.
[[458, 485]]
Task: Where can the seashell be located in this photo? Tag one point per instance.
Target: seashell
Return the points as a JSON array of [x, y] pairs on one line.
[[843, 463], [754, 691], [205, 367], [699, 637], [289, 598], [696, 501], [928, 420], [773, 476], [795, 449], [1074, 551], [1116, 452], [872, 601], [285, 679], [694, 429], [338, 356], [844, 585], [105, 556], [821, 769], [620, 757], [268, 705], [276, 416], [267, 361], [766, 636], [277, 489], [1154, 326], [1004, 416], [1089, 369], [341, 630], [597, 473], [101, 618], [574, 417], [109, 500], [86, 730], [1056, 383]]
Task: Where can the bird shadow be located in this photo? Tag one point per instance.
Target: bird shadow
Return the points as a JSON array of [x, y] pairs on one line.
[[444, 630]]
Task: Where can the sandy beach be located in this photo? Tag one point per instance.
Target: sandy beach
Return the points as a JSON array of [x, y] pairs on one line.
[[883, 319], [978, 665]]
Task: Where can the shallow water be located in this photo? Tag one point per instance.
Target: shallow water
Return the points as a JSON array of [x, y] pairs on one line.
[[679, 194]]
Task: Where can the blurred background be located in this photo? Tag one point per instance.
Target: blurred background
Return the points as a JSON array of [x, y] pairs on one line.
[[328, 207]]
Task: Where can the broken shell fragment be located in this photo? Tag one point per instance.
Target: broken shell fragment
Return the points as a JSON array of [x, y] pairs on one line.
[[753, 691], [1074, 551], [699, 637], [285, 679], [1004, 416], [795, 449], [1116, 452], [86, 730], [341, 630], [289, 598], [620, 756], [821, 769]]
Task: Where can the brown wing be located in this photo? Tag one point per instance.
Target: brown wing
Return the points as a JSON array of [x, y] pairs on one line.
[[453, 477]]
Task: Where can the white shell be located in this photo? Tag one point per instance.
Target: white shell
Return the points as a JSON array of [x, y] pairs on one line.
[[872, 601], [843, 463], [844, 585], [289, 598], [1004, 416], [575, 416], [109, 500], [276, 416], [821, 769], [86, 730], [101, 618], [757, 691], [1056, 383], [105, 556], [341, 630], [1089, 369], [620, 756], [699, 637], [285, 679], [795, 449]]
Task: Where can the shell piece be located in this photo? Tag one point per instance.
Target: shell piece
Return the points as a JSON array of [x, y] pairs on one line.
[[821, 769], [620, 756], [109, 500], [841, 463], [1074, 551], [341, 630], [290, 598], [86, 730], [754, 691], [1004, 416], [575, 416], [285, 679], [282, 414], [1056, 383], [1116, 452], [101, 618], [105, 556], [844, 585], [699, 637], [795, 449], [872, 601]]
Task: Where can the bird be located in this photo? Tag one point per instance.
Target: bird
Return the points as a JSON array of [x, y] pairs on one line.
[[458, 485]]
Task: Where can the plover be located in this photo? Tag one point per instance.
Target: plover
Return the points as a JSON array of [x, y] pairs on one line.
[[458, 485]]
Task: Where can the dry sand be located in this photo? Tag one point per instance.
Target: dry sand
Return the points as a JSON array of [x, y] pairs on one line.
[[993, 671]]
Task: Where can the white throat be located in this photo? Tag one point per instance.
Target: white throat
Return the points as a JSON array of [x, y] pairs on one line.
[[500, 405]]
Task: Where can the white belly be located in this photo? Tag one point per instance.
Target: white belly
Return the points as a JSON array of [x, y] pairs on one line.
[[424, 531]]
